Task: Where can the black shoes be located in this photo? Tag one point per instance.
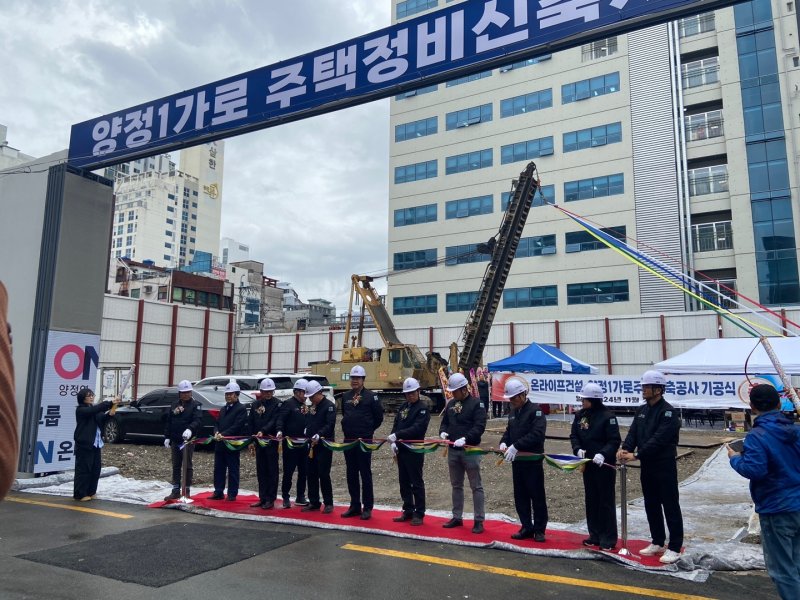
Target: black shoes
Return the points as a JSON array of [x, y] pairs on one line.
[[351, 512], [366, 514], [301, 501], [538, 536], [173, 496], [258, 504], [590, 542], [268, 504], [522, 534], [217, 496], [328, 509], [477, 527], [310, 508], [231, 498], [606, 548], [287, 503], [416, 520], [402, 518], [453, 523]]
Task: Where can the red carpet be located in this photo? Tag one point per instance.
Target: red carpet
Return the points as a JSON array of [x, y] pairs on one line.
[[496, 533]]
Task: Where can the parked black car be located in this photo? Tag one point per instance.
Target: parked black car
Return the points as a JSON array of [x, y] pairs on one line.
[[147, 416]]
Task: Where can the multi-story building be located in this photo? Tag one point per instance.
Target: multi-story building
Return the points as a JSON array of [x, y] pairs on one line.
[[160, 163], [683, 136], [167, 216], [231, 251]]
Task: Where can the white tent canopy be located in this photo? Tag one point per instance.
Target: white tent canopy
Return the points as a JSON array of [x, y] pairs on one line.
[[729, 355]]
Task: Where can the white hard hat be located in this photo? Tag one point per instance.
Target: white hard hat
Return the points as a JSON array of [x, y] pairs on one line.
[[654, 378], [514, 387], [266, 385], [312, 387], [358, 371], [232, 387], [410, 385], [591, 391], [185, 386], [456, 382], [300, 384]]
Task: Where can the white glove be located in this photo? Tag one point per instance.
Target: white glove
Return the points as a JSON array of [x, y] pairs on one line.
[[459, 443], [444, 435], [599, 459], [503, 447], [394, 448], [279, 435], [511, 453], [187, 434], [315, 437], [581, 454], [391, 438], [166, 443]]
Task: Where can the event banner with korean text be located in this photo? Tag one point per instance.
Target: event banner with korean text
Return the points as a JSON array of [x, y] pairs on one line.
[[683, 391], [456, 41], [71, 365]]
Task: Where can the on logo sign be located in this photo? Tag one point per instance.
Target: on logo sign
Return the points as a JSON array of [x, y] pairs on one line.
[[78, 366]]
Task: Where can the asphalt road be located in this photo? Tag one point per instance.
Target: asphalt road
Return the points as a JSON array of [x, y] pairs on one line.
[[293, 562]]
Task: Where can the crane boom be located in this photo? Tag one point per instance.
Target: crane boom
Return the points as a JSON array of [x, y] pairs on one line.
[[494, 281]]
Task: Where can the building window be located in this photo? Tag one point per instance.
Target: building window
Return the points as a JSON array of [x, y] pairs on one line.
[[193, 228], [468, 78], [703, 126], [129, 240], [468, 116], [583, 241], [184, 215], [468, 207], [593, 137], [536, 246], [120, 217], [525, 63], [416, 172], [767, 166], [171, 209], [480, 159], [162, 292], [545, 195], [130, 215], [415, 259], [708, 180], [130, 228], [596, 187], [526, 103], [168, 245], [191, 240], [412, 7], [167, 257], [414, 305], [599, 292], [707, 237], [415, 215], [527, 297], [416, 129], [696, 24], [461, 301], [170, 222], [168, 233], [194, 204], [120, 229], [418, 92], [589, 88], [464, 254], [171, 196], [526, 150], [183, 227], [700, 72], [194, 217], [599, 49]]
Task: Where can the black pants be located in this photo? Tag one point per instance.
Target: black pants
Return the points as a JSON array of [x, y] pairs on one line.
[[599, 484], [294, 459], [528, 478], [660, 491], [497, 409], [87, 472], [319, 476], [412, 487], [359, 467], [267, 472], [226, 462], [177, 464]]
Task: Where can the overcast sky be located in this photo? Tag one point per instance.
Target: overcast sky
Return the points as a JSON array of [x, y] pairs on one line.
[[310, 198]]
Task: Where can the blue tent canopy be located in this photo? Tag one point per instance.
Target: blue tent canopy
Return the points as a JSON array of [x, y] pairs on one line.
[[541, 358]]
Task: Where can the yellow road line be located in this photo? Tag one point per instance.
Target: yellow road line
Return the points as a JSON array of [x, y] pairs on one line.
[[93, 511], [599, 585]]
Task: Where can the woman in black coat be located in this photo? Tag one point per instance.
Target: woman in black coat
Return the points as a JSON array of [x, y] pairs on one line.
[[89, 419]]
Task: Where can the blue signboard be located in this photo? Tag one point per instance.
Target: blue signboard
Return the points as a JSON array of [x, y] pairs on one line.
[[458, 40]]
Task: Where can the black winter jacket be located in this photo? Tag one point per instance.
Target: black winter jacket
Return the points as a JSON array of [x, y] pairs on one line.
[[526, 429], [232, 420], [321, 420], [182, 417], [411, 421], [264, 416], [292, 418], [596, 431], [361, 419], [654, 432], [465, 419], [87, 419]]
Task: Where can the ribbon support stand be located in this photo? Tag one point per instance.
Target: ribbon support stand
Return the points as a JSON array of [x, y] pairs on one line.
[[185, 485]]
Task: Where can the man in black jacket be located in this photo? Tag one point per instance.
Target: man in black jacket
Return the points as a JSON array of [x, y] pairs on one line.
[[653, 439], [525, 432], [89, 419], [320, 425], [464, 422], [183, 422], [595, 435], [292, 424], [264, 422], [362, 414], [232, 422], [410, 423]]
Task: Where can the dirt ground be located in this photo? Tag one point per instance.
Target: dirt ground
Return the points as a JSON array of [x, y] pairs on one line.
[[146, 460]]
